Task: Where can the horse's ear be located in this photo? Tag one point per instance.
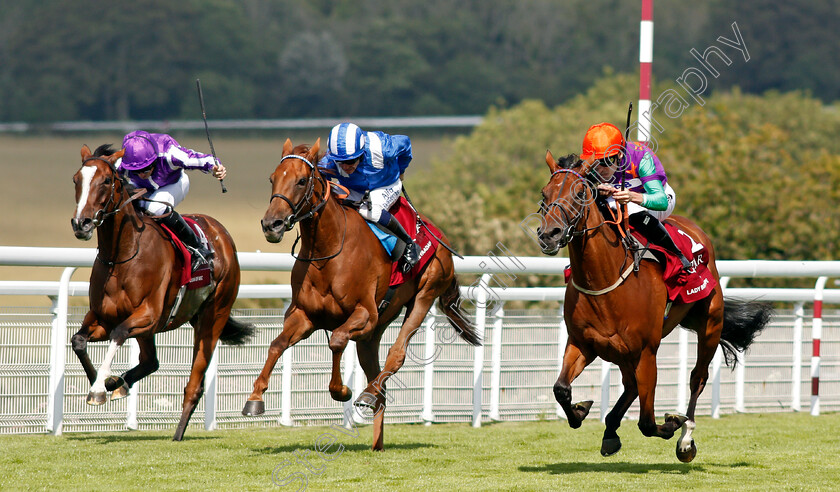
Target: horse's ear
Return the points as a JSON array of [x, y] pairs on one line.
[[287, 147], [313, 151], [552, 164], [116, 155], [85, 152]]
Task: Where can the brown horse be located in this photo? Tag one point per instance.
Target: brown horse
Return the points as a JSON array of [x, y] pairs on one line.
[[625, 324], [340, 277], [135, 283]]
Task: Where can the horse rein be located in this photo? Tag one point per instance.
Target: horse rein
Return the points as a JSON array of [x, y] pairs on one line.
[[292, 219]]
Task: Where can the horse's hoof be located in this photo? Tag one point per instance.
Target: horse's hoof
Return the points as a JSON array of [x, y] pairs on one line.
[[581, 409], [113, 383], [96, 399], [365, 400], [120, 393], [343, 395], [253, 408], [687, 455], [610, 446], [677, 418]]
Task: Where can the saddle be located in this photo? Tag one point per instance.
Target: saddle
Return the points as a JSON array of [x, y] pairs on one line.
[[202, 275]]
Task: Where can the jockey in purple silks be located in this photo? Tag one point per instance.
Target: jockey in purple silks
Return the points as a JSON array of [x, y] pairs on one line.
[[373, 162], [156, 162]]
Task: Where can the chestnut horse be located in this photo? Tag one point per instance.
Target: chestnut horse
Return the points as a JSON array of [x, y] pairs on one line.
[[625, 325], [135, 282], [339, 278]]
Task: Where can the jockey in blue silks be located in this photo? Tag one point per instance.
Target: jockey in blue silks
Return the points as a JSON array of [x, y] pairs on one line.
[[372, 162], [156, 162]]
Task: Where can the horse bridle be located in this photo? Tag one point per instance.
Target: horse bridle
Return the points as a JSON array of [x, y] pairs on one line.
[[292, 219], [569, 231], [102, 214]]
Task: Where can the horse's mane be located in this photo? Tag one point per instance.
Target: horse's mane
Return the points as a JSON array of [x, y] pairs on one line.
[[571, 161], [103, 150]]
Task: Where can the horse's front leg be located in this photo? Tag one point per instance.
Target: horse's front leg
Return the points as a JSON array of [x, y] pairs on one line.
[[91, 331], [358, 324], [120, 385], [296, 327], [574, 362], [140, 320], [611, 442], [646, 383]]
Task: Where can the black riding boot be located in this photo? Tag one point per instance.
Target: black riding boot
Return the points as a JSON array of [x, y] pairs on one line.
[[185, 233], [656, 233], [412, 252]]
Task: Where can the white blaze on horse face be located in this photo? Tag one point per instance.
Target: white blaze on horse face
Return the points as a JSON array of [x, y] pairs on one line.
[[87, 173]]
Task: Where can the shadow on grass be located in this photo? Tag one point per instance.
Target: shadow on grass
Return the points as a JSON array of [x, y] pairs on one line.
[[625, 467], [116, 438], [360, 447]]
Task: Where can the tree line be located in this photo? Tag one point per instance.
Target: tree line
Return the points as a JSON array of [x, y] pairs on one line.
[[118, 59]]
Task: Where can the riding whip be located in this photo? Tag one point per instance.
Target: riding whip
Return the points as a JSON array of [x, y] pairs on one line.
[[427, 227], [626, 154], [207, 129]]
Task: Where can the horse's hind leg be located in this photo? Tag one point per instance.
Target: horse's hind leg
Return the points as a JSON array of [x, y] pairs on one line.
[[296, 327], [708, 324], [120, 386], [368, 352], [574, 362], [416, 313], [611, 443], [208, 325]]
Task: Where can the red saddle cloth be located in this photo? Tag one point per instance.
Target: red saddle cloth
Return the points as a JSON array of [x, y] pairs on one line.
[[202, 275], [689, 287], [406, 216]]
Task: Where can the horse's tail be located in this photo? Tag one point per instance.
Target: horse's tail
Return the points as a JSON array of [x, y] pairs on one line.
[[236, 332], [742, 322], [450, 303]]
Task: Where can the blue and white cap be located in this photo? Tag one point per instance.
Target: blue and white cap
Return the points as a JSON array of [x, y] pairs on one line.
[[346, 142]]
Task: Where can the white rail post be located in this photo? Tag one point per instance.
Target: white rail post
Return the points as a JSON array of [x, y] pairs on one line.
[[132, 401], [682, 383], [740, 376], [210, 377], [58, 347], [717, 363], [429, 357], [496, 358], [796, 370], [478, 362], [605, 389], [350, 368], [816, 335], [286, 389], [561, 350]]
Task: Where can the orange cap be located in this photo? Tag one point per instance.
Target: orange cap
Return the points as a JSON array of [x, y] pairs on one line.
[[601, 140]]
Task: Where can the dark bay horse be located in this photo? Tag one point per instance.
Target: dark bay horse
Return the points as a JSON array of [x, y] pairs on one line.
[[625, 325], [338, 280], [135, 282]]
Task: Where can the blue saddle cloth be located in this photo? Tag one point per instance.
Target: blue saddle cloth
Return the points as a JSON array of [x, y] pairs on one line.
[[387, 240]]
